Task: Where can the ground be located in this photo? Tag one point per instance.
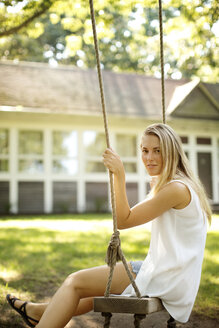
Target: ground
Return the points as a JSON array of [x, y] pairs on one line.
[[156, 320], [95, 320]]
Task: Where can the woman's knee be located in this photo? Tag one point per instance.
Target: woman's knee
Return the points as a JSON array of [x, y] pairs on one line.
[[72, 280], [75, 281]]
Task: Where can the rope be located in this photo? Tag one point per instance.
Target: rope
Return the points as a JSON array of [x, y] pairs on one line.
[[162, 61], [114, 252]]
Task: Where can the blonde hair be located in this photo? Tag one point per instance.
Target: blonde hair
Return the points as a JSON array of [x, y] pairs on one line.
[[176, 163]]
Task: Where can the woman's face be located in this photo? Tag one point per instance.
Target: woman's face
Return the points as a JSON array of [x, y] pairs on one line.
[[151, 154]]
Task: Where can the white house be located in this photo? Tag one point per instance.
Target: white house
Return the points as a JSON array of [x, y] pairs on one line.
[[52, 134]]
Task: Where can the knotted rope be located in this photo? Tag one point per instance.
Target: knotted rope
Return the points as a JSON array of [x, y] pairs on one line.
[[114, 252], [113, 255]]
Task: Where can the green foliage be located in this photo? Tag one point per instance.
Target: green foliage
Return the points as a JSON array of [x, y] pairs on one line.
[[17, 14], [127, 33]]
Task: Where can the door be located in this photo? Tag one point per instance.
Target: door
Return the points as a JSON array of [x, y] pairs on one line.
[[205, 172]]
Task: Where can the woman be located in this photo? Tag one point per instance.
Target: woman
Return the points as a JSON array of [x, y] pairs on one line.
[[178, 206]]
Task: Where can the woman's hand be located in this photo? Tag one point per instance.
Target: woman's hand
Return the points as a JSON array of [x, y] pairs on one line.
[[112, 161]]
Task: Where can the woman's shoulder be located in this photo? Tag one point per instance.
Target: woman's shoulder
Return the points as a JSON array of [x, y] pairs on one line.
[[180, 190], [178, 184]]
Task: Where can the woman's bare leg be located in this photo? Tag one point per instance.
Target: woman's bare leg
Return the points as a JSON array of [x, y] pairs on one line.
[[36, 310], [74, 297]]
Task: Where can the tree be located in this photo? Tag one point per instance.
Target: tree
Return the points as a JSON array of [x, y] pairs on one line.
[[127, 32], [17, 14]]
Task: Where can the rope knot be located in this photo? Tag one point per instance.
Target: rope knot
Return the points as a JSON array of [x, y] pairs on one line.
[[113, 252], [115, 240]]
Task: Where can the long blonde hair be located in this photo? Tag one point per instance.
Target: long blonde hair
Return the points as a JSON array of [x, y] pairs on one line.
[[176, 163]]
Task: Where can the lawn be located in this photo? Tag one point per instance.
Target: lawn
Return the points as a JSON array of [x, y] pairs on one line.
[[37, 253]]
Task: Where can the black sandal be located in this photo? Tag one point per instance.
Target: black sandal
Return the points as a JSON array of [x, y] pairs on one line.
[[21, 310]]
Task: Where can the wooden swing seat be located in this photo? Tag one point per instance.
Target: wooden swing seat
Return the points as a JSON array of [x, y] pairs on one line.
[[140, 307], [123, 304]]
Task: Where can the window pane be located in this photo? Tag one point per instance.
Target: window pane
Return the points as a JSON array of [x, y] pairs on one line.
[[31, 166], [4, 141], [31, 142], [184, 140], [148, 188], [203, 141], [4, 197], [126, 145], [205, 171], [218, 154], [3, 165], [31, 197], [132, 193], [67, 166], [64, 197], [217, 173], [130, 167], [96, 196], [65, 143], [94, 143], [92, 167], [187, 154]]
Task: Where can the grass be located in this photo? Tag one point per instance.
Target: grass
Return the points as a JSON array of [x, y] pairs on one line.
[[37, 253]]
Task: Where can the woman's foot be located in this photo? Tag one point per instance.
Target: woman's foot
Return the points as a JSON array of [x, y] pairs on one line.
[[25, 309]]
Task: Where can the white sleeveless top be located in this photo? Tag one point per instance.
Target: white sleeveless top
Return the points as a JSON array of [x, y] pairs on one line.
[[172, 268]]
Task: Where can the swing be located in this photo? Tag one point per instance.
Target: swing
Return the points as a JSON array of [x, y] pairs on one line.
[[139, 306]]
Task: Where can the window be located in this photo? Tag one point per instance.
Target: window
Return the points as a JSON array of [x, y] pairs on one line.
[[30, 152], [64, 151], [132, 193], [4, 197], [203, 141], [184, 139], [126, 148], [96, 197], [4, 150], [64, 197], [205, 171], [217, 173], [30, 197], [148, 188], [187, 154], [94, 145]]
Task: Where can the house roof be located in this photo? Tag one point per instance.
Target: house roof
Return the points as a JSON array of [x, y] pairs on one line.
[[37, 87], [67, 89], [195, 100]]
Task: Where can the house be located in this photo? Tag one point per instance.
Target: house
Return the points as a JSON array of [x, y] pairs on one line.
[[52, 134]]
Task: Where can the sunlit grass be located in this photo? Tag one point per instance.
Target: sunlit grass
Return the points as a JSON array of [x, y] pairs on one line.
[[37, 253]]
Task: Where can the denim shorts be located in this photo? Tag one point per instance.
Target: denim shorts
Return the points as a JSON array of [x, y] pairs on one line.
[[136, 265]]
